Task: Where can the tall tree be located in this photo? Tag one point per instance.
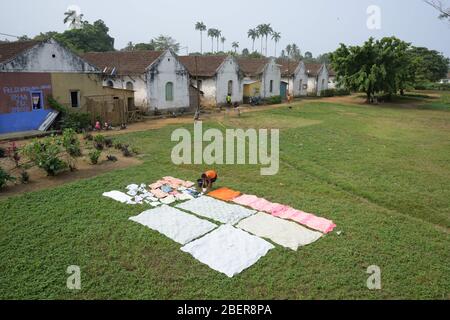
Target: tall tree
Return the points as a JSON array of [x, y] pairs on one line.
[[431, 66], [253, 34], [276, 36], [200, 26], [218, 33], [73, 19], [163, 42], [260, 30], [377, 66], [235, 46], [212, 34], [223, 39]]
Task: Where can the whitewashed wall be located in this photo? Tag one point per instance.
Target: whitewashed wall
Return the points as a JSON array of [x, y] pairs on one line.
[[271, 72], [228, 71], [322, 80], [167, 69], [48, 56]]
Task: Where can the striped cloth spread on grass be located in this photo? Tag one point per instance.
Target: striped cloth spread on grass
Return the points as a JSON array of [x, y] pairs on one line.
[[286, 212]]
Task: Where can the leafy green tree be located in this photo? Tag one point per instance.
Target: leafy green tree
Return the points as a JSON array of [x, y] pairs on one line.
[[90, 37], [381, 66], [431, 66], [163, 42]]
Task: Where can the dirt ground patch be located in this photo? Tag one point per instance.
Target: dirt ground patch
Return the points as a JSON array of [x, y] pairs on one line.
[[39, 179]]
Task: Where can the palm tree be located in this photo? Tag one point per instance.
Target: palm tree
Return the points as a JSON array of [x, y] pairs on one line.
[[260, 30], [73, 19], [235, 45], [267, 31], [288, 50], [200, 26], [212, 34], [223, 39], [276, 36], [253, 34], [295, 52], [218, 34]]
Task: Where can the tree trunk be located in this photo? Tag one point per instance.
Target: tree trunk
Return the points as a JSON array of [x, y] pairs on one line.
[[201, 42]]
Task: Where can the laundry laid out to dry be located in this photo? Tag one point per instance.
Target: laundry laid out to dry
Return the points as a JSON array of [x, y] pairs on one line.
[[226, 230]]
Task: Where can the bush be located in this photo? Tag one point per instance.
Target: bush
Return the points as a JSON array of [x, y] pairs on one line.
[[274, 100], [4, 178], [71, 143], [88, 137], [328, 93], [45, 154], [77, 121], [108, 142], [126, 151], [24, 177], [118, 145], [99, 142], [342, 92], [94, 156], [2, 152], [311, 94]]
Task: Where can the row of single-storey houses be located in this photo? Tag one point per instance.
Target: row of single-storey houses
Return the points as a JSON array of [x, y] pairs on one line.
[[31, 71]]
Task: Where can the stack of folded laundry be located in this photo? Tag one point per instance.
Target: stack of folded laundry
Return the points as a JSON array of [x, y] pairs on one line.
[[170, 189]]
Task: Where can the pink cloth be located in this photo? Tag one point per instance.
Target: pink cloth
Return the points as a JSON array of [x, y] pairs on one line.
[[245, 200], [188, 184], [286, 212], [159, 193]]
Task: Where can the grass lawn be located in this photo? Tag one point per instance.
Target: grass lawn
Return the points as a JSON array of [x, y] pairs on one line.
[[381, 173]]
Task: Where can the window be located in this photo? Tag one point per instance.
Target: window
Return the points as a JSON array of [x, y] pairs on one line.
[[169, 91], [110, 84], [323, 83], [300, 85], [271, 86], [75, 99], [230, 87], [129, 85]]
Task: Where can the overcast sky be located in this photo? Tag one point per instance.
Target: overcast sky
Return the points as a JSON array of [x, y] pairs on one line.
[[317, 26]]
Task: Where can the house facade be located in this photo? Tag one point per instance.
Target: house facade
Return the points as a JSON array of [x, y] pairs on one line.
[[332, 82], [445, 80], [317, 77], [294, 74], [217, 77], [159, 80], [261, 77], [32, 71]]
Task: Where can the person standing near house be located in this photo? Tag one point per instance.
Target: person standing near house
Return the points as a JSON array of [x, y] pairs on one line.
[[229, 100]]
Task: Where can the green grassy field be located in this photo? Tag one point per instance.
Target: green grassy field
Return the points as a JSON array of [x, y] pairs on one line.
[[382, 174]]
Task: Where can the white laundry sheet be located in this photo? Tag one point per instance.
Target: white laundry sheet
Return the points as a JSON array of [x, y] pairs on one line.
[[217, 210], [174, 224], [119, 196], [285, 233], [228, 250]]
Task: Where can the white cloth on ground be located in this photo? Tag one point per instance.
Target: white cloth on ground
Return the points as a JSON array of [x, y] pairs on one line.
[[228, 250], [168, 200], [119, 196], [217, 210], [174, 224], [285, 233]]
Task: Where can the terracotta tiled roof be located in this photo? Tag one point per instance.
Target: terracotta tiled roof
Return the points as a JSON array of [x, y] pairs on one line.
[[206, 65], [122, 62], [287, 67], [252, 67], [9, 50], [313, 69]]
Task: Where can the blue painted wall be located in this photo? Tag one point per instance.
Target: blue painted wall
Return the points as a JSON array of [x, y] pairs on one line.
[[22, 121]]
